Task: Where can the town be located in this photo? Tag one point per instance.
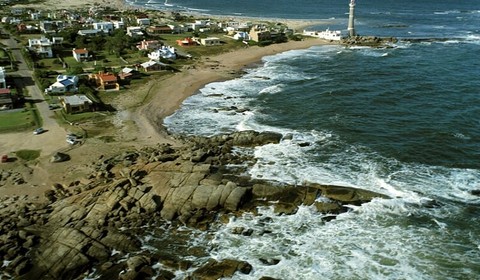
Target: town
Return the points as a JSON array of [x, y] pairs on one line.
[[78, 57]]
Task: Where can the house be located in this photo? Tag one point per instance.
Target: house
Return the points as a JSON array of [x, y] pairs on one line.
[[128, 73], [176, 29], [35, 16], [259, 33], [105, 81], [165, 52], [89, 32], [159, 29], [24, 28], [6, 100], [153, 65], [42, 46], [149, 45], [186, 42], [210, 41], [47, 26], [143, 21], [80, 54], [63, 84], [105, 26], [56, 41], [241, 36], [118, 24], [134, 31], [76, 104]]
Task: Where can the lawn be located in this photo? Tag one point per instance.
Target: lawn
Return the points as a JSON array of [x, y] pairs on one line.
[[16, 120]]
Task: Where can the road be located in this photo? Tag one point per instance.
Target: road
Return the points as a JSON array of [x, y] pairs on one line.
[[54, 137]]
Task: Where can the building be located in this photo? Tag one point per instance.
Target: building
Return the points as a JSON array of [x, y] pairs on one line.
[[89, 32], [143, 21], [63, 84], [42, 47], [186, 42], [159, 29], [134, 31], [153, 65], [105, 81], [210, 41], [76, 104], [149, 45], [51, 26], [105, 26], [241, 36], [165, 52], [259, 33], [80, 54]]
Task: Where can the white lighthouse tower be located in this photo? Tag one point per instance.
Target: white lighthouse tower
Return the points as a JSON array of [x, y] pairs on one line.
[[351, 19]]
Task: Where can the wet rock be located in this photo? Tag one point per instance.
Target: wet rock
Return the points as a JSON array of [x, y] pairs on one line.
[[218, 269], [269, 261]]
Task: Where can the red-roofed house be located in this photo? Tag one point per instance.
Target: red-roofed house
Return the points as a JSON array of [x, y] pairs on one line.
[[187, 42], [80, 54], [105, 81]]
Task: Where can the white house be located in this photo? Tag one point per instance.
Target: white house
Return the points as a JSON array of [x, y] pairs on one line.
[[63, 84], [143, 21], [118, 24], [210, 41], [80, 54], [42, 46], [105, 26], [166, 52], [134, 31], [241, 36]]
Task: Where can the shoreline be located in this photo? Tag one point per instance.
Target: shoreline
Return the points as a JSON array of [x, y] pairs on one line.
[[226, 66]]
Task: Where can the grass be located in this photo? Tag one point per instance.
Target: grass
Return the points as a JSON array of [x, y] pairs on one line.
[[17, 120], [28, 155], [80, 117]]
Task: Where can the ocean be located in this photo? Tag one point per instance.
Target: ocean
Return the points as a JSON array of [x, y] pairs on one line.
[[402, 121]]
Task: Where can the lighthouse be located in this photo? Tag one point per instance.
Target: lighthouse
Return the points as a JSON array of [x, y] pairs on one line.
[[351, 19]]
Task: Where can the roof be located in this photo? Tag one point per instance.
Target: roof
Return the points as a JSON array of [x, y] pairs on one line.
[[76, 100], [107, 77], [4, 91], [148, 64], [80, 51]]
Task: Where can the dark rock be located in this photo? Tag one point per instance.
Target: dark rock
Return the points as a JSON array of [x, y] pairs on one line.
[[60, 157]]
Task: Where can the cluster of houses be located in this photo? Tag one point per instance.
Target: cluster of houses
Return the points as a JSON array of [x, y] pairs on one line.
[[137, 26]]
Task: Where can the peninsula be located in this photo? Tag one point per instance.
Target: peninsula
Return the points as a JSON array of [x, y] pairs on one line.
[[80, 208]]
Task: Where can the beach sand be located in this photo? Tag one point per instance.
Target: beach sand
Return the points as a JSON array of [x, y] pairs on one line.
[[168, 94]]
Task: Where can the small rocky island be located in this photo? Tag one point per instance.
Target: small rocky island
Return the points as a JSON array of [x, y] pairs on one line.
[[94, 224]]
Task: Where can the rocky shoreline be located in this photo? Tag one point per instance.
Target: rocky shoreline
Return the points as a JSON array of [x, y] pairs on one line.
[[93, 224]]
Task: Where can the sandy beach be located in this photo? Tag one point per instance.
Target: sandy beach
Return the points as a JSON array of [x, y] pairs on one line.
[[168, 94]]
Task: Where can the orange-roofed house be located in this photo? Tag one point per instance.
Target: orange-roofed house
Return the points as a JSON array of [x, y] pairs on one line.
[[80, 54], [187, 42], [105, 81]]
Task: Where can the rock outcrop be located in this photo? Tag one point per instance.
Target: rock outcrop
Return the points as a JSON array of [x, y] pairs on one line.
[[83, 226]]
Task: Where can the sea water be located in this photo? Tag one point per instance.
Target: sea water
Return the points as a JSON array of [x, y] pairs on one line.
[[402, 121]]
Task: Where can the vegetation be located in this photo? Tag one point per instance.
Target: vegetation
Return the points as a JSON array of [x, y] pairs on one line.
[[28, 155], [17, 120]]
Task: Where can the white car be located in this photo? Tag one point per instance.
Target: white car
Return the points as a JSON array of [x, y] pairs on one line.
[[39, 130]]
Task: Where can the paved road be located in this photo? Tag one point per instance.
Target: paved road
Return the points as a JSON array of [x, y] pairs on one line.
[[54, 137]]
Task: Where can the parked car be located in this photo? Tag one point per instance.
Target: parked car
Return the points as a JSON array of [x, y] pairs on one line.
[[39, 130]]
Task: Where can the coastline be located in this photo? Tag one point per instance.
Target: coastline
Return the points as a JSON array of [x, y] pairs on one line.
[[168, 94]]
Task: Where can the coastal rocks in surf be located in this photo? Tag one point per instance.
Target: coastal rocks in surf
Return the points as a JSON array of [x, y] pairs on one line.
[[89, 223], [369, 41]]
